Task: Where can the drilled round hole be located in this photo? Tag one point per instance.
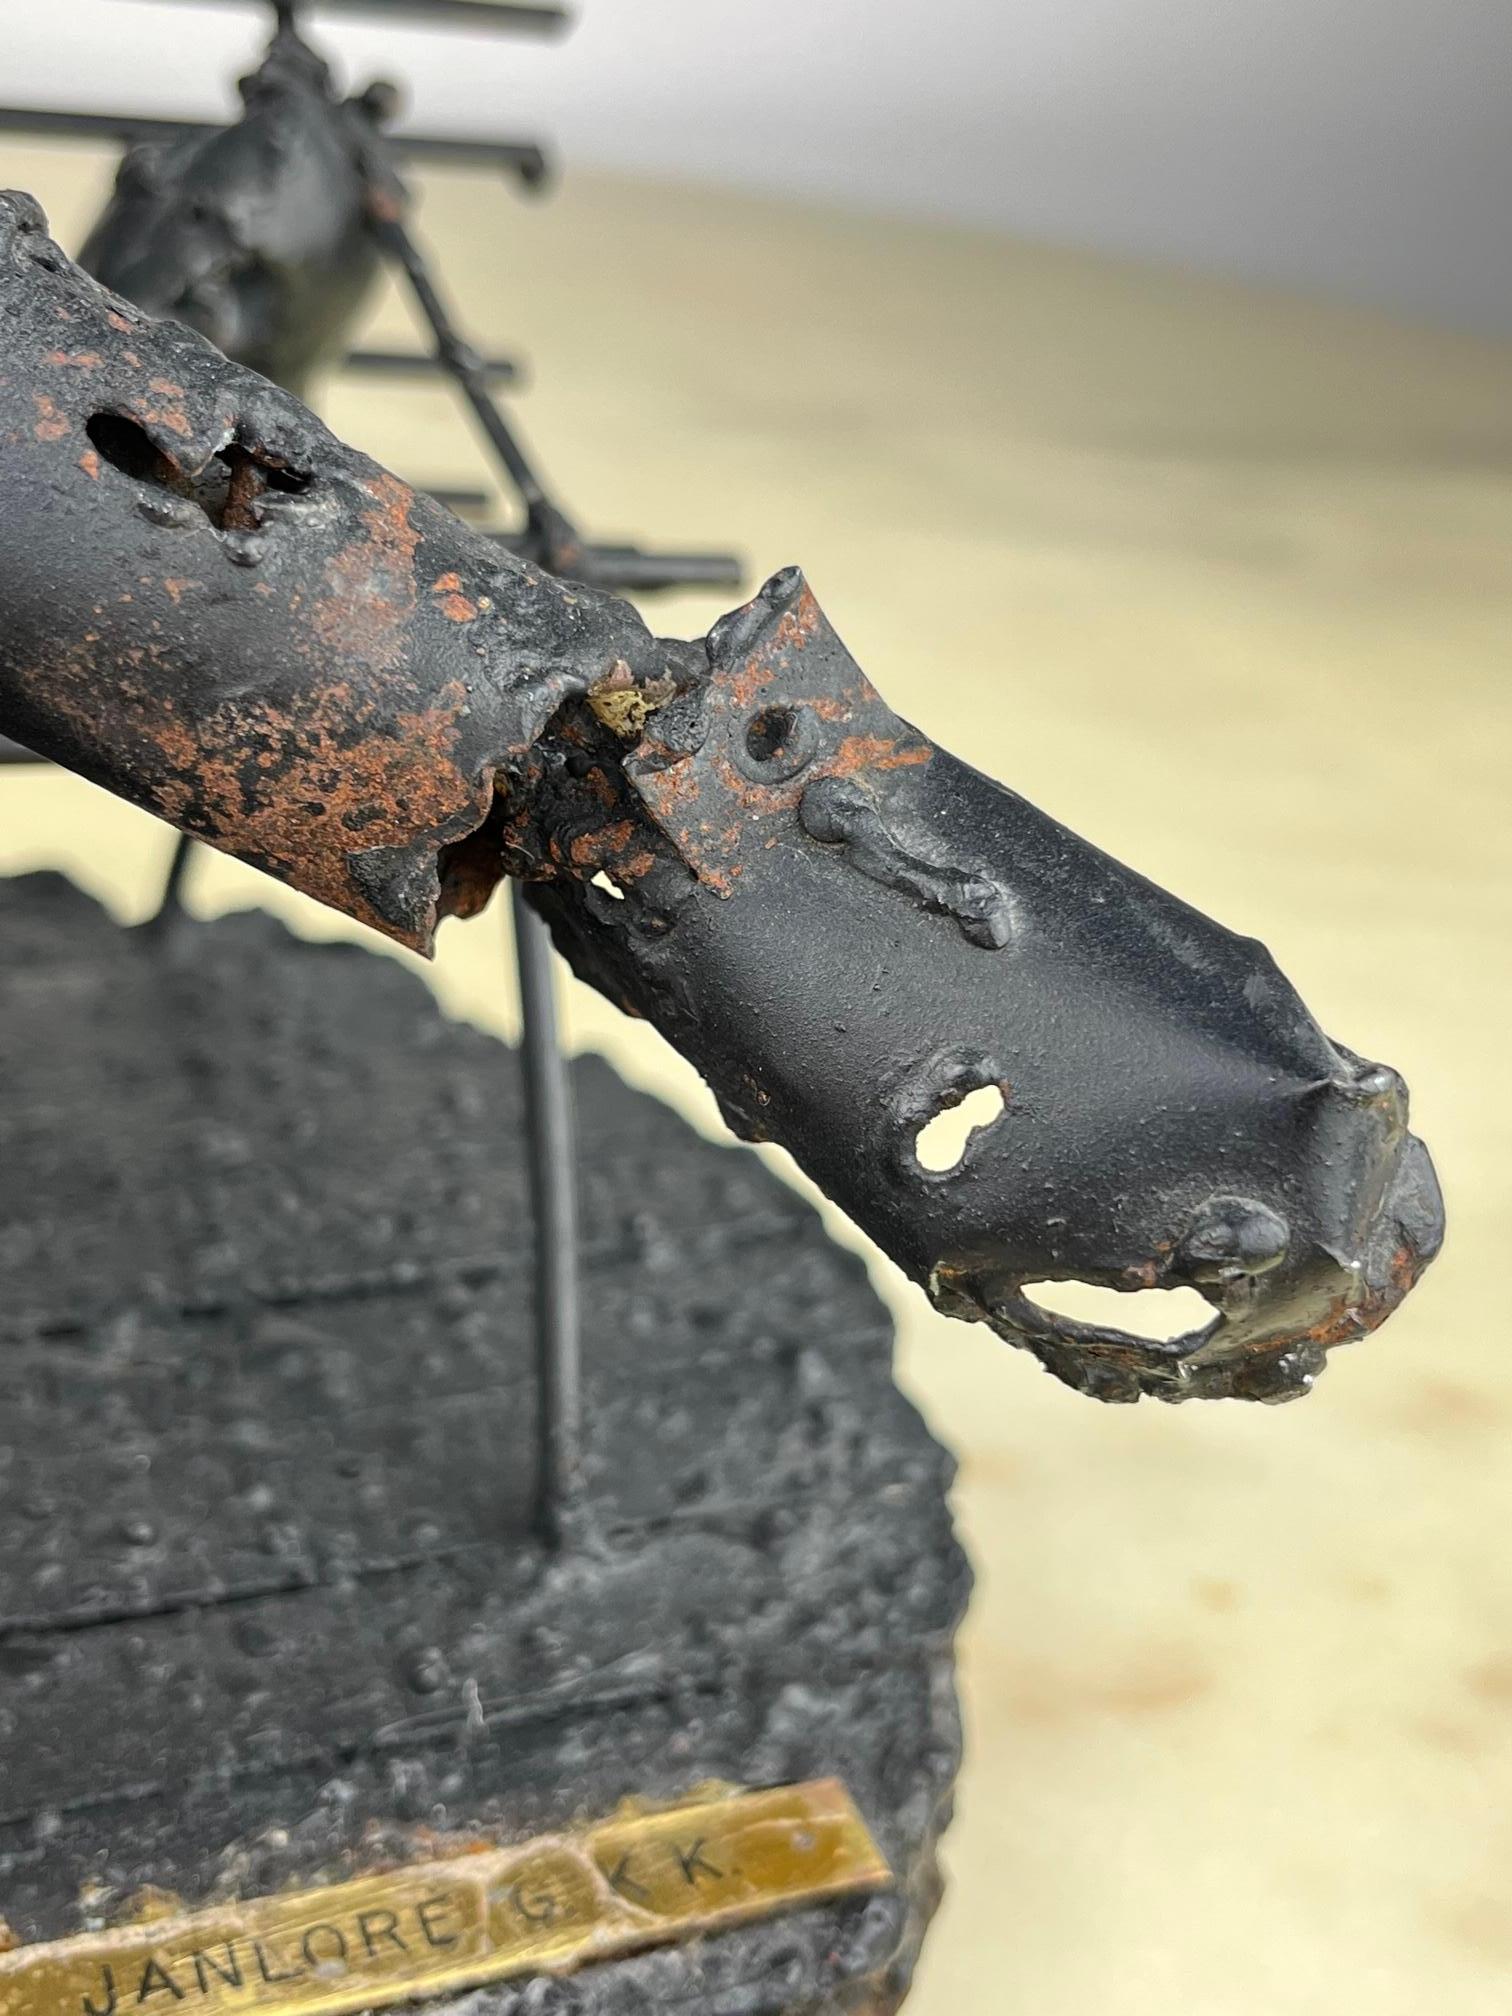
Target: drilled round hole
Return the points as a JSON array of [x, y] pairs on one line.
[[941, 1143], [768, 733]]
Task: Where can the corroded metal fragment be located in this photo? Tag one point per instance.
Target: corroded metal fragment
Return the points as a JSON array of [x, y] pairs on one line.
[[218, 610]]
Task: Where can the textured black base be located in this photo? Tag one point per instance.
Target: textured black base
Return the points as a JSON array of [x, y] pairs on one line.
[[269, 1602]]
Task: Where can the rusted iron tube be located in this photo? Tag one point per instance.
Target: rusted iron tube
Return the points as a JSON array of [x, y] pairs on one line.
[[220, 612]]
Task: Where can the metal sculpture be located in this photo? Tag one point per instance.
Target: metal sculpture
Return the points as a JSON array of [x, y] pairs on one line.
[[216, 609], [268, 236]]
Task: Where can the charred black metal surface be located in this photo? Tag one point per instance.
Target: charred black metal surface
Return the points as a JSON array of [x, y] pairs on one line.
[[271, 1609], [846, 929], [183, 521], [256, 233], [842, 925]]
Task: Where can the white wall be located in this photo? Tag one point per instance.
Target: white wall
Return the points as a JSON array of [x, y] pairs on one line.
[[1355, 147]]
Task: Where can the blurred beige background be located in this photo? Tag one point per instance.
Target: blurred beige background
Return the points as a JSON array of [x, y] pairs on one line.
[[1222, 580], [1360, 149]]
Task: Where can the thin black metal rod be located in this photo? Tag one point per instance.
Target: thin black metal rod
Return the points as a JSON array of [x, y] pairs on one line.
[[420, 364], [525, 158], [51, 122], [552, 1149], [456, 499], [548, 1110], [171, 900], [625, 568], [463, 362], [511, 16], [549, 536]]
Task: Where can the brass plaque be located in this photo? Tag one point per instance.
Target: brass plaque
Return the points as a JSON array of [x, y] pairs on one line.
[[481, 1914]]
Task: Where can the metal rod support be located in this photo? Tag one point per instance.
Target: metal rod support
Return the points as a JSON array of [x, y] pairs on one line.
[[523, 158], [548, 1113], [457, 499], [549, 538], [422, 364], [171, 900], [552, 1152], [509, 16], [622, 569], [124, 128], [462, 361]]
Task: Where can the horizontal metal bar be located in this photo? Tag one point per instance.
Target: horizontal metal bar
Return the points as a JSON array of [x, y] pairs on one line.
[[458, 500], [454, 150], [421, 364], [608, 566], [510, 17], [124, 128], [524, 158]]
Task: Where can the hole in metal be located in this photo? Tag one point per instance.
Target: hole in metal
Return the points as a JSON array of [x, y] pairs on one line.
[[941, 1142], [605, 881], [768, 732], [227, 489], [128, 447], [1155, 1314]]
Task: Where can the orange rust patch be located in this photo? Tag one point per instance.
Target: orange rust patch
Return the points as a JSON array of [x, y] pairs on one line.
[[53, 425], [80, 360], [118, 321], [747, 685], [799, 622], [175, 587], [89, 462], [292, 816], [159, 414], [710, 806], [1348, 1319], [455, 606], [874, 752], [590, 850]]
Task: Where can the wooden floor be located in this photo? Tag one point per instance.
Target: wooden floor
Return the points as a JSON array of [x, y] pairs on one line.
[[1224, 581]]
